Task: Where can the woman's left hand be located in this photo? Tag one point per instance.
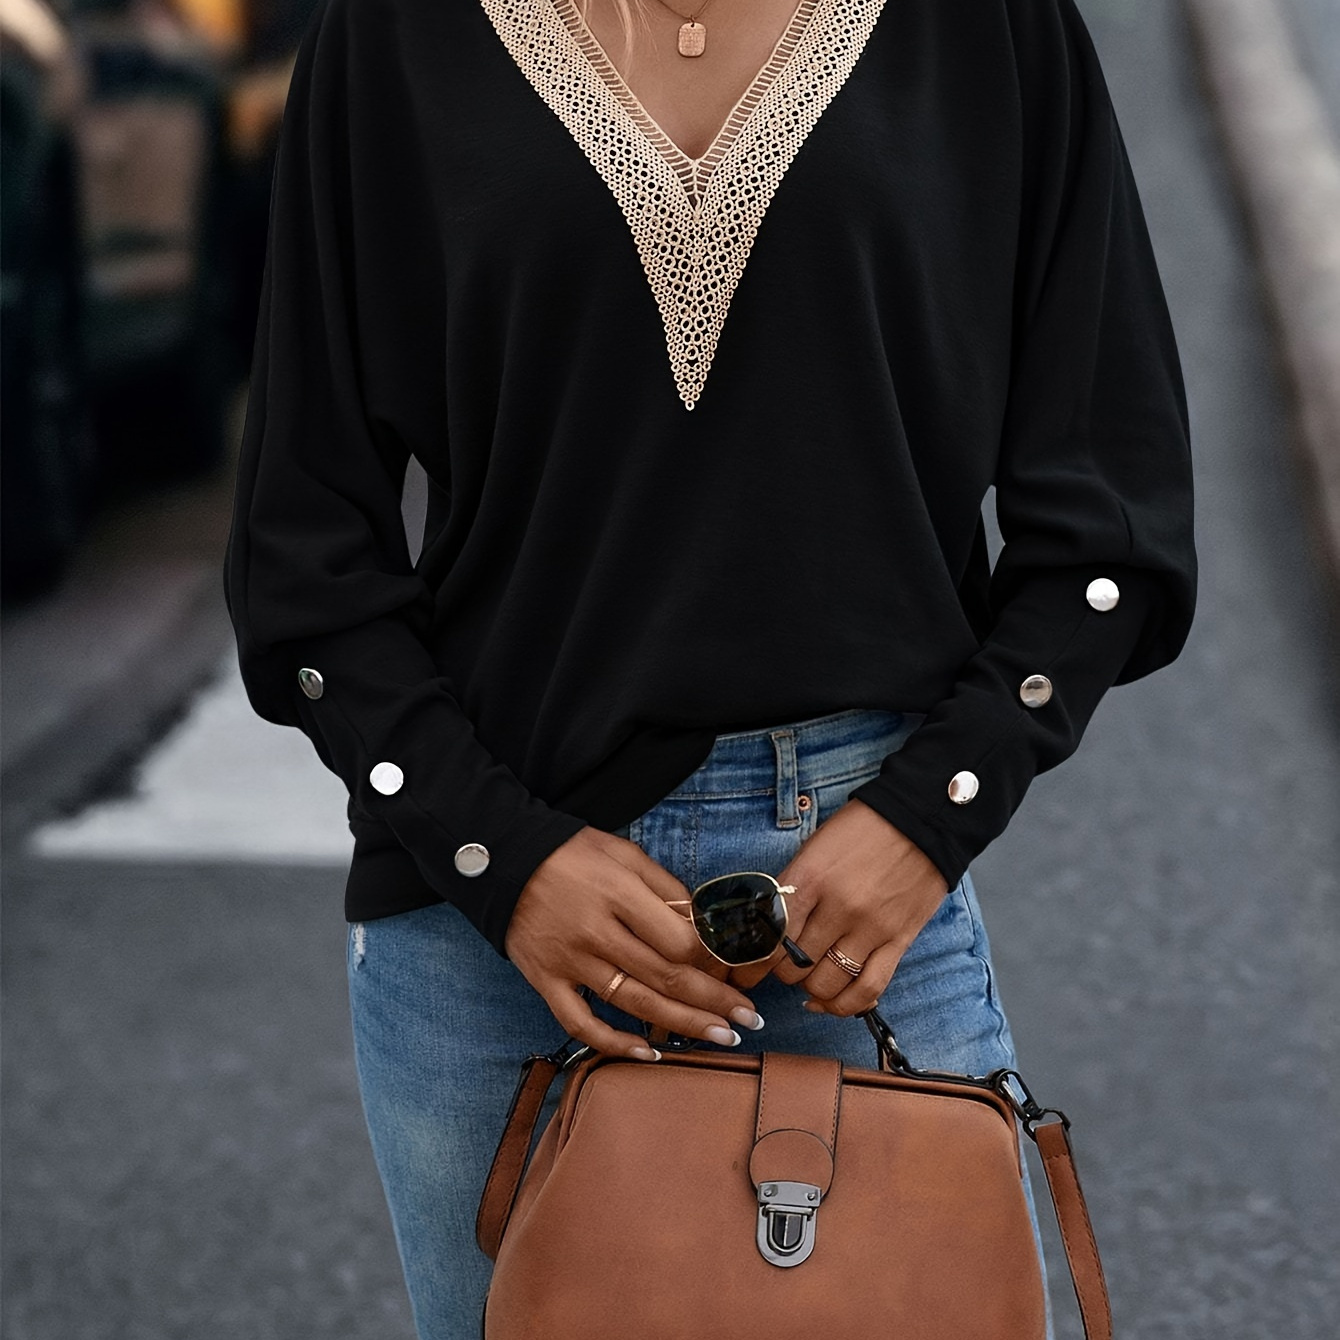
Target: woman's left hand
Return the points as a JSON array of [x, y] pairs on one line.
[[863, 889]]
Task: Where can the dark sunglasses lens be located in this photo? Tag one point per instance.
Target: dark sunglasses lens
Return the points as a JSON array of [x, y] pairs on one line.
[[741, 918]]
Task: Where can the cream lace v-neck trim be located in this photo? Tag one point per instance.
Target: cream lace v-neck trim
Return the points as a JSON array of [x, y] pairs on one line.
[[694, 221], [693, 173]]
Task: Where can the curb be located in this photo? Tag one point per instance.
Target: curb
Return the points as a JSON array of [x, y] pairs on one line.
[[1286, 164]]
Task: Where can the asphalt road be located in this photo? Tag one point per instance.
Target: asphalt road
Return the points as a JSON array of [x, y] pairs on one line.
[[183, 1153]]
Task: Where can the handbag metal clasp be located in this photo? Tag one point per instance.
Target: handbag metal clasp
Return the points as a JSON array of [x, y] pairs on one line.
[[1010, 1085], [787, 1213]]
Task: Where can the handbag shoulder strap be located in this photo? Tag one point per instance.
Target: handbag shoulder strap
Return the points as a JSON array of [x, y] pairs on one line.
[[1053, 1141], [1072, 1214], [509, 1162]]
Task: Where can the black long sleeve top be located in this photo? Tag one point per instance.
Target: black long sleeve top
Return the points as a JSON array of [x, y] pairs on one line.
[[707, 441]]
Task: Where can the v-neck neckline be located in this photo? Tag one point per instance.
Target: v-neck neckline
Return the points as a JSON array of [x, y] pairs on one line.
[[693, 173], [693, 221]]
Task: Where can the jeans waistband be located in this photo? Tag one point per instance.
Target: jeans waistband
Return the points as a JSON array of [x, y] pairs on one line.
[[799, 755]]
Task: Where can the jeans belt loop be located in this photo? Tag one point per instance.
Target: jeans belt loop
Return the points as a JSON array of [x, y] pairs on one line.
[[784, 746]]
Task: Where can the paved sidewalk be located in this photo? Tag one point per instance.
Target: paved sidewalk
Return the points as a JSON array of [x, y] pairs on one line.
[[1315, 28], [1284, 148]]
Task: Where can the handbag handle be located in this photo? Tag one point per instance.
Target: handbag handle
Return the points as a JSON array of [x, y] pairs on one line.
[[1051, 1137]]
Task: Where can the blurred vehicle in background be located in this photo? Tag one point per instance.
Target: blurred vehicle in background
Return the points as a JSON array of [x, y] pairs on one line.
[[138, 144], [257, 88], [47, 450]]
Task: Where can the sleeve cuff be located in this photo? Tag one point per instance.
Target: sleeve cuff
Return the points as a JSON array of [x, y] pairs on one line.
[[388, 724], [1019, 708]]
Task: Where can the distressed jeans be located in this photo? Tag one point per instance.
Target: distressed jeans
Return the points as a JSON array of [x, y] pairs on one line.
[[441, 1023]]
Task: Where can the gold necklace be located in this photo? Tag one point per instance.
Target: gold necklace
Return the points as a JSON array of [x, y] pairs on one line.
[[692, 34]]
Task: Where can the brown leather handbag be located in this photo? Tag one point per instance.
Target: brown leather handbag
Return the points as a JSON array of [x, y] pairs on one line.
[[712, 1196]]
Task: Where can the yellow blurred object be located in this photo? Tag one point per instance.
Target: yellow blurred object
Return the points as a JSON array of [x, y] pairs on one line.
[[255, 107], [222, 23]]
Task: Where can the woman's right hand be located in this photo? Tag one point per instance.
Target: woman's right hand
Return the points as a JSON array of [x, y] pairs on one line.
[[597, 906]]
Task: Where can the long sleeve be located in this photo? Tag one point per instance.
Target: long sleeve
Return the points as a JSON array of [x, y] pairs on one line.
[[1093, 482], [347, 383]]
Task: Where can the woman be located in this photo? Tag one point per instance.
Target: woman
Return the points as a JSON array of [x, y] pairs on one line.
[[711, 360]]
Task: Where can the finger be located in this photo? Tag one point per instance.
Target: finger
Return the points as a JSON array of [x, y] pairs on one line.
[[578, 1021], [643, 1002], [669, 933], [803, 928], [865, 991], [828, 979], [798, 929], [658, 881], [651, 872], [748, 977], [685, 983], [825, 925]]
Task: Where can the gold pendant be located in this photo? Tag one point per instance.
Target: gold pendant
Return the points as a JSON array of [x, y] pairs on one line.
[[692, 39]]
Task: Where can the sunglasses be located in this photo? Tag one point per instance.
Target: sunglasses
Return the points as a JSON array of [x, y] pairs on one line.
[[742, 918]]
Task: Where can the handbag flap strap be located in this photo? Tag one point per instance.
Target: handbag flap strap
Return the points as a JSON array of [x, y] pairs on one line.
[[795, 1137], [1086, 1269], [509, 1162]]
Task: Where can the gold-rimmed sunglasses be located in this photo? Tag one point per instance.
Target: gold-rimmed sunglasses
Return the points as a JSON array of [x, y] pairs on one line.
[[742, 918]]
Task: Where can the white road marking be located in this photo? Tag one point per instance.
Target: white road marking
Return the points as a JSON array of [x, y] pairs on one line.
[[223, 785]]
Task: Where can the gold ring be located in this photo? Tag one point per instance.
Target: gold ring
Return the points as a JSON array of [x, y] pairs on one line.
[[615, 983], [848, 965]]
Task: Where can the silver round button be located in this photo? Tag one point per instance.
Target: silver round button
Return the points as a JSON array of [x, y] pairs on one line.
[[472, 859], [387, 778], [310, 680], [1102, 594], [1036, 691], [962, 787]]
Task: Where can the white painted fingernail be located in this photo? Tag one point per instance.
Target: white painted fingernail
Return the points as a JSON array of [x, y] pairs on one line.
[[725, 1037], [645, 1053], [747, 1018]]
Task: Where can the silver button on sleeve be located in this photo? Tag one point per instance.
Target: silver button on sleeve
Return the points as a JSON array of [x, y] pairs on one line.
[[387, 778], [1036, 691], [1102, 594], [472, 859], [311, 682], [963, 787]]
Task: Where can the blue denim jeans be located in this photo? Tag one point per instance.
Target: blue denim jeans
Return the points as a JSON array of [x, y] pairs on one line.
[[441, 1022]]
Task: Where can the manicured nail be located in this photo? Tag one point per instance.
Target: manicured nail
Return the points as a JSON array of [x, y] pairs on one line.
[[747, 1018], [814, 1007], [725, 1037], [645, 1053]]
